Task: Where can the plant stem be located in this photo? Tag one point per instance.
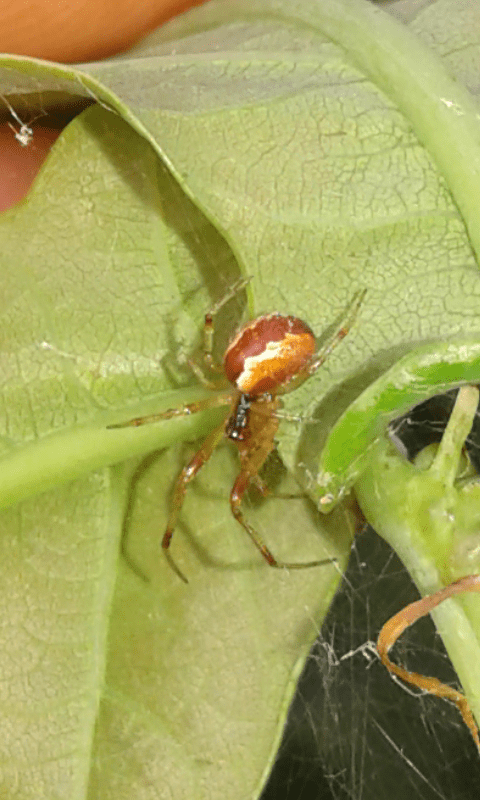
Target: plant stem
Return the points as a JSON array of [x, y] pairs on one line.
[[428, 516]]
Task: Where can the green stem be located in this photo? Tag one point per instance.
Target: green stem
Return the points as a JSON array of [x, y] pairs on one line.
[[69, 454], [424, 372], [447, 460], [428, 517]]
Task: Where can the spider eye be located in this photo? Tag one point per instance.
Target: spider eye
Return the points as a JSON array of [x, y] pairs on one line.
[[268, 352]]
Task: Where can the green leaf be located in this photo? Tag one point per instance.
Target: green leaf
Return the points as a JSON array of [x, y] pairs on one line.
[[251, 142], [59, 556], [103, 300], [348, 197]]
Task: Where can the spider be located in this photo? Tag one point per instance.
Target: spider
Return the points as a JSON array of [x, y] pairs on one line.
[[24, 135], [269, 356]]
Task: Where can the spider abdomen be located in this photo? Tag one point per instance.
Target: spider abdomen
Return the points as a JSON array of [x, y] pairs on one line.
[[268, 352]]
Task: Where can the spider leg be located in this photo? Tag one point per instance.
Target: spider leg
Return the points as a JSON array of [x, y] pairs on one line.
[[319, 358], [265, 491], [209, 325], [215, 369], [339, 334], [261, 485], [187, 474], [406, 617], [239, 488], [222, 399]]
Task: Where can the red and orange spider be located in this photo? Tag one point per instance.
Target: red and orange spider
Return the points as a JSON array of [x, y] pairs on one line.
[[269, 356]]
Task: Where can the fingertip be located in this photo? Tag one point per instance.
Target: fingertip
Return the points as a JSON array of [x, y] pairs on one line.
[[80, 30]]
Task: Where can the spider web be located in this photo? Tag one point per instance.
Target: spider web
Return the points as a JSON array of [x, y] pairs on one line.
[[30, 116], [354, 732], [30, 123], [22, 117]]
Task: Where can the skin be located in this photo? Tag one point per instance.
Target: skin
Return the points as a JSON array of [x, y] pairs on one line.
[[57, 31]]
